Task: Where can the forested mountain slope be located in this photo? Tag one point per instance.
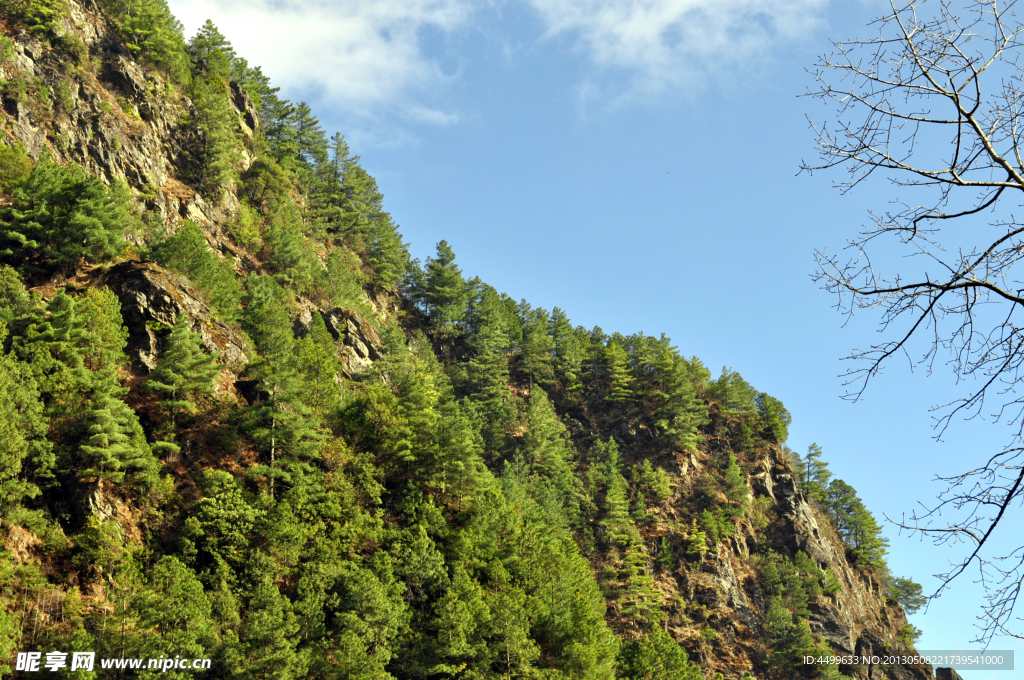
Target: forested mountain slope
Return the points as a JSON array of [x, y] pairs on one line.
[[237, 422]]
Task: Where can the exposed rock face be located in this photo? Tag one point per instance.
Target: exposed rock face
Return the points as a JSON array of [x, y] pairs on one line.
[[857, 619], [360, 343], [113, 122], [947, 674], [151, 300]]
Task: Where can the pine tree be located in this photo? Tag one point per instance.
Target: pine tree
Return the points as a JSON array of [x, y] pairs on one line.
[[814, 474], [905, 593], [211, 53], [443, 291], [652, 481], [547, 449], [22, 433], [292, 258], [732, 391], [640, 601], [114, 445], [280, 423], [174, 616], [681, 415], [462, 617], [184, 372], [61, 215], [488, 378], [537, 346], [269, 636], [319, 366], [789, 637], [615, 363], [188, 253], [774, 416], [697, 547], [54, 344], [655, 656], [570, 346], [855, 523], [152, 34], [214, 119], [736, 489]]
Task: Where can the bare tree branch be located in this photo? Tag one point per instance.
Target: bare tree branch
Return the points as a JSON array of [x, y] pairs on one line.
[[935, 102]]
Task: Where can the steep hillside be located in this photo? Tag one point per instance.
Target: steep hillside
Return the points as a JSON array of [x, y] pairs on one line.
[[238, 423]]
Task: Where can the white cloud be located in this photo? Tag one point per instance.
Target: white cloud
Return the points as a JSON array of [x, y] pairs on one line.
[[431, 116], [359, 55], [367, 56], [659, 43]]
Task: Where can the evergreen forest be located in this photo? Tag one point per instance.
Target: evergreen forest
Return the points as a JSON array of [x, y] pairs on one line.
[[403, 473]]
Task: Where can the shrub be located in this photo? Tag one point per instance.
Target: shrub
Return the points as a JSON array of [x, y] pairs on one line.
[[73, 47], [188, 253], [908, 634], [14, 167], [62, 99], [245, 228], [6, 48], [16, 89]]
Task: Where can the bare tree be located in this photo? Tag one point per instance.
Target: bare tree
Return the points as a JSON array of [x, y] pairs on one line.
[[934, 103]]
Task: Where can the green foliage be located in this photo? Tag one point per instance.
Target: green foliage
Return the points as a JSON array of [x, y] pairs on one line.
[[214, 121], [15, 166], [6, 49], [570, 350], [537, 346], [22, 429], [114, 446], [615, 363], [736, 489], [265, 183], [788, 635], [774, 416], [63, 101], [184, 372], [813, 474], [279, 424], [905, 593], [732, 391], [319, 367], [791, 581], [60, 216], [425, 518], [697, 546], [655, 656], [653, 482], [716, 526], [856, 525], [245, 228], [548, 451], [440, 288], [42, 16], [73, 47], [908, 634], [152, 34], [291, 256], [188, 253]]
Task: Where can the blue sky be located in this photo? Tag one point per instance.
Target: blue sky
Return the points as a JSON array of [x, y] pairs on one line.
[[635, 163]]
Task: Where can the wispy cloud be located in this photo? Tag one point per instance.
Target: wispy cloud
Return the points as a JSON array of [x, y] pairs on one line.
[[356, 54], [369, 56], [659, 43]]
